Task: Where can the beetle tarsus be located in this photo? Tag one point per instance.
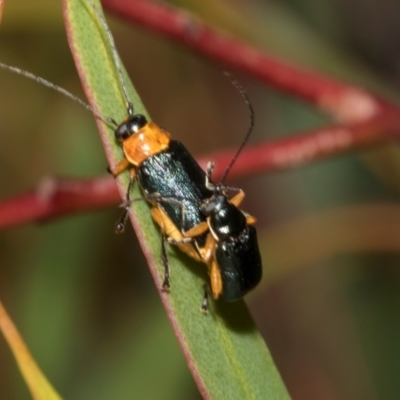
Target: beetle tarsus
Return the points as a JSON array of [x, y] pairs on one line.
[[164, 258], [119, 226], [204, 303]]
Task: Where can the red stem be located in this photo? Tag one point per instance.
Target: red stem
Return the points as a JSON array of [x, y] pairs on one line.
[[308, 147], [57, 197], [370, 121], [344, 101]]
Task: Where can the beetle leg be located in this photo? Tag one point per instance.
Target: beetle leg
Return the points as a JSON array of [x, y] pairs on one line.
[[120, 167], [157, 216], [204, 303], [119, 226], [215, 279], [188, 235], [208, 250], [209, 184], [196, 230], [216, 284], [203, 252], [250, 220], [164, 258], [171, 200], [238, 198], [220, 187], [179, 241], [155, 213], [173, 235]]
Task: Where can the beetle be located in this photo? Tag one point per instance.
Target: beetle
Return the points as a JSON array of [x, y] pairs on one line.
[[232, 254], [185, 203], [190, 210], [231, 250], [170, 179]]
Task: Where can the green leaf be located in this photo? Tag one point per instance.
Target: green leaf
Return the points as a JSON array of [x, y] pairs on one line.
[[225, 352]]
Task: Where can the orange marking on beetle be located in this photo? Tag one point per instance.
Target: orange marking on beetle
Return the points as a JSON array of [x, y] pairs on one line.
[[237, 199], [120, 167], [197, 230], [171, 231], [148, 141], [215, 279], [250, 220]]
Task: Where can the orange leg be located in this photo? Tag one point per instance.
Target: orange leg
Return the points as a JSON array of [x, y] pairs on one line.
[[208, 250], [250, 220], [173, 234], [238, 198], [196, 230], [120, 167], [120, 224], [157, 216], [215, 279], [236, 201]]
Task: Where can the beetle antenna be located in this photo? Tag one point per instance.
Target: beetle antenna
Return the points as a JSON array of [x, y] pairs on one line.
[[58, 89], [251, 123], [117, 62]]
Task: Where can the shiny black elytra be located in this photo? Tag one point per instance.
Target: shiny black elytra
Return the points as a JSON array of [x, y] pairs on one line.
[[235, 266], [236, 250]]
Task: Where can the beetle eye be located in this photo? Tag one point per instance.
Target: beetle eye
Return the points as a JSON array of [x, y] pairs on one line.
[[137, 122], [208, 207], [214, 205], [122, 132], [129, 127]]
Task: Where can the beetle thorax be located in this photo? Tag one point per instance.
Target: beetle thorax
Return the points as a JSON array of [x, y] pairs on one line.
[[146, 142]]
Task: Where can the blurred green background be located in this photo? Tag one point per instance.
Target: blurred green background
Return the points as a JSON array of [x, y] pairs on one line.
[[82, 297]]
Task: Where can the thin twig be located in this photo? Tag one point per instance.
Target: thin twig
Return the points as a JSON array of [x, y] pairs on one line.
[[369, 120], [56, 197]]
